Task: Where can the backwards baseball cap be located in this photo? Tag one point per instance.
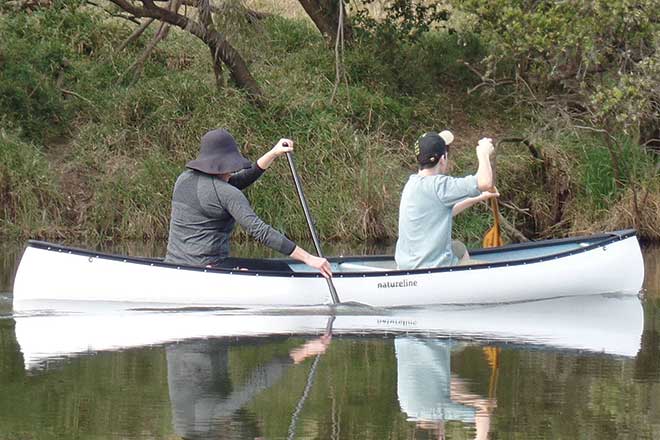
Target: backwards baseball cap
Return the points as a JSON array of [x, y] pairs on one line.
[[431, 146]]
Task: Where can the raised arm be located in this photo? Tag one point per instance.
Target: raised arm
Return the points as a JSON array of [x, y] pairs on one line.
[[283, 146], [245, 178], [484, 173]]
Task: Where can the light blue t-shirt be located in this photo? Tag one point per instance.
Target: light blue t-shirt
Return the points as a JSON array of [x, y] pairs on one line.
[[425, 219], [424, 381]]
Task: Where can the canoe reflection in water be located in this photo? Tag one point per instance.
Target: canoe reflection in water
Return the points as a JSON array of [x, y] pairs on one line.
[[602, 324], [213, 393], [430, 394]]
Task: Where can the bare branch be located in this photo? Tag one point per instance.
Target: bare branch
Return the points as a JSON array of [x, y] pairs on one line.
[[251, 15], [72, 93], [214, 39], [138, 64], [136, 34], [512, 230], [485, 81], [113, 14], [511, 206], [339, 51]]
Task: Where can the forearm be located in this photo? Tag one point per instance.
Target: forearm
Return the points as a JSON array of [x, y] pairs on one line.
[[247, 177], [301, 255], [484, 173], [465, 204], [318, 263], [265, 160], [264, 233]]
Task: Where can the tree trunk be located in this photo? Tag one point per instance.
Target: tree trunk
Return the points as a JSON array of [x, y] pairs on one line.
[[325, 15], [206, 17], [215, 40]]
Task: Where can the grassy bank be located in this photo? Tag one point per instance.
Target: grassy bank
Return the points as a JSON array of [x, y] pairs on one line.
[[90, 152]]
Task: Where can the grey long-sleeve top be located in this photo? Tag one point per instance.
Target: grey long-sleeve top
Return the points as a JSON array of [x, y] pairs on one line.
[[205, 210], [205, 399]]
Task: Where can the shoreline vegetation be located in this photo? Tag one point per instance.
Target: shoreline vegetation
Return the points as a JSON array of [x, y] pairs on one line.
[[90, 145]]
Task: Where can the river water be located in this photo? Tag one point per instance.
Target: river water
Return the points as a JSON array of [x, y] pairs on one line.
[[559, 369]]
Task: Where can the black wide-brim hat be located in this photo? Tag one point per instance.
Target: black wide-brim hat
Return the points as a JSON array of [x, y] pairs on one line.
[[218, 154]]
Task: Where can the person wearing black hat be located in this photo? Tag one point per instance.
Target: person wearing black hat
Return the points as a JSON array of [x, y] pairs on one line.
[[207, 202], [429, 200]]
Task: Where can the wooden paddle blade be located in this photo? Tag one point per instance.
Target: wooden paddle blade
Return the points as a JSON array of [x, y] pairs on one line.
[[492, 355], [493, 237]]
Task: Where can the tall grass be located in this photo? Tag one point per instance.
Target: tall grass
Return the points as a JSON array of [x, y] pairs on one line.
[[29, 198]]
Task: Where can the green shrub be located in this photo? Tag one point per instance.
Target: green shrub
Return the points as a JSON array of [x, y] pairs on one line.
[[597, 60]]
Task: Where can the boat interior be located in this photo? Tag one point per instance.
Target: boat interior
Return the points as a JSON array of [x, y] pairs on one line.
[[513, 253], [518, 253]]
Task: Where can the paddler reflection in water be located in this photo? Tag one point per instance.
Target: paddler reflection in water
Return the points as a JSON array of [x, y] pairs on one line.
[[207, 403], [207, 203], [430, 394]]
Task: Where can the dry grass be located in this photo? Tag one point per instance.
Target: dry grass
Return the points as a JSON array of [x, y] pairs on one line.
[[623, 214], [285, 8], [293, 9]]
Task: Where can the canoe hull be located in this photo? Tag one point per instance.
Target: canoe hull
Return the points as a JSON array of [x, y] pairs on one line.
[[55, 273]]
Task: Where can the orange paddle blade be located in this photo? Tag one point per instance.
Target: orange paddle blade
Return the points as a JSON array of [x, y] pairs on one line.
[[492, 355], [493, 237]]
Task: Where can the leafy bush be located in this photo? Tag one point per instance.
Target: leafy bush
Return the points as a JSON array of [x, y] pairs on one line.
[[595, 60], [401, 19]]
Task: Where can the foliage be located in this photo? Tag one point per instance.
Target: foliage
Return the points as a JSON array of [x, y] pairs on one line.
[[401, 19], [598, 60]]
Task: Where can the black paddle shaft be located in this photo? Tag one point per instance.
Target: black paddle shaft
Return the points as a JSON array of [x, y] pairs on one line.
[[310, 222]]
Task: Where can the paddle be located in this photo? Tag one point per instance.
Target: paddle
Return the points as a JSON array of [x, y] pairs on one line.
[[310, 380], [310, 222], [493, 237]]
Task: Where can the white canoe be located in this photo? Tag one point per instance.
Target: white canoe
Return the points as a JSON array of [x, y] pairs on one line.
[[597, 264], [595, 323]]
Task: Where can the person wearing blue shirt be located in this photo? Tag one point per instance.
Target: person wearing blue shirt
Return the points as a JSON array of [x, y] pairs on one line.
[[431, 198]]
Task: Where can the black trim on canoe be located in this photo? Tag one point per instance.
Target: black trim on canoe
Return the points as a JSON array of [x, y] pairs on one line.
[[597, 240]]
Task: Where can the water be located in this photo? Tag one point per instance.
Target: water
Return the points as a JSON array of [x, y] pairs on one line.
[[559, 369]]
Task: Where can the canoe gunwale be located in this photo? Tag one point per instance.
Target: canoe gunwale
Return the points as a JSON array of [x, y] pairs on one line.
[[599, 240]]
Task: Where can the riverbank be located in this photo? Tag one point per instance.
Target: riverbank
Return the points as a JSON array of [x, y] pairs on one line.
[[90, 152]]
